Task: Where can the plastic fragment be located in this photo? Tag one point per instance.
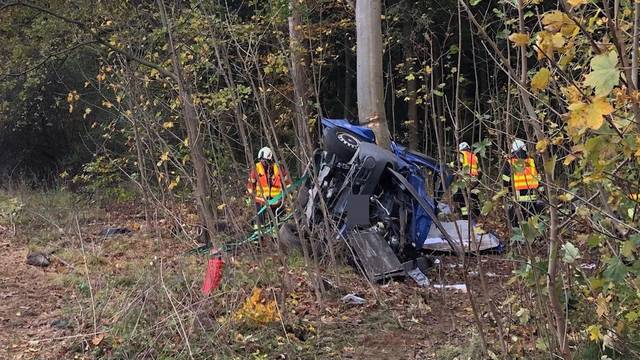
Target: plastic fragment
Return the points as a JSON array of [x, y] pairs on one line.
[[353, 299]]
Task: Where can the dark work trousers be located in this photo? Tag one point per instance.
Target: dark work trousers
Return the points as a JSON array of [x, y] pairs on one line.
[[474, 203], [264, 218], [528, 209]]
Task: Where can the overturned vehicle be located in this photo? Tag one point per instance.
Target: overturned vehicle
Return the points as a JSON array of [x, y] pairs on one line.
[[382, 202]]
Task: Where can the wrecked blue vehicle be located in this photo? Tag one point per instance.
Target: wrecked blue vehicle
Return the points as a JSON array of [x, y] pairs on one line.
[[382, 203]]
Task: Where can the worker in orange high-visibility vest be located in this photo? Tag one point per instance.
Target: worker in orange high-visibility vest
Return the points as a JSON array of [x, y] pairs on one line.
[[520, 175], [470, 171], [266, 181]]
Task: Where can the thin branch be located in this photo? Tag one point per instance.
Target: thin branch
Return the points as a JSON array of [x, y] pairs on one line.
[[95, 36], [45, 60]]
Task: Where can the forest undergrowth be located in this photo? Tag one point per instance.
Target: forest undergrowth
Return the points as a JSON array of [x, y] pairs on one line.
[[138, 295]]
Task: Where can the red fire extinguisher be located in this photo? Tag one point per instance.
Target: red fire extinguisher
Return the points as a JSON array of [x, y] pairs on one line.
[[213, 276]]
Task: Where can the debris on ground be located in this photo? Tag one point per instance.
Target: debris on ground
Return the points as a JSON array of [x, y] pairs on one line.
[[419, 277], [456, 287], [111, 231], [61, 324], [353, 299], [461, 232], [38, 258]]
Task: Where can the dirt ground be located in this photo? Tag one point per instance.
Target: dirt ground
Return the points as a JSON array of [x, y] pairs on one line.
[[41, 317], [30, 307]]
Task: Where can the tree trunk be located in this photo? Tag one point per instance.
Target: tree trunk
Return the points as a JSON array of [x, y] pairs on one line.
[[300, 82], [412, 107], [348, 77], [369, 70], [202, 196]]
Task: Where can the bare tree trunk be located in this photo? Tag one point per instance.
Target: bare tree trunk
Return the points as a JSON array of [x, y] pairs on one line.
[[412, 107], [369, 70], [348, 77], [300, 82], [202, 188]]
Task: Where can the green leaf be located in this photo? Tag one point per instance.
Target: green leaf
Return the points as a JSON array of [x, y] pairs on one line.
[[550, 166], [541, 344], [481, 147], [570, 253], [632, 316], [487, 207], [627, 248], [616, 270], [474, 2], [604, 74]]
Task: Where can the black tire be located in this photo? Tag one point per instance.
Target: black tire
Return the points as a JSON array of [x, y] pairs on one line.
[[288, 238], [341, 143]]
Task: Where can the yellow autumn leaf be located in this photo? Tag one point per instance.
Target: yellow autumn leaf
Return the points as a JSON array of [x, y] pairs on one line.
[[595, 332], [164, 156], [553, 20], [541, 145], [258, 309], [167, 124], [566, 197], [557, 21], [588, 116], [576, 3], [557, 40], [569, 159], [602, 305], [572, 94], [221, 206], [540, 80], [519, 39], [544, 45], [172, 185]]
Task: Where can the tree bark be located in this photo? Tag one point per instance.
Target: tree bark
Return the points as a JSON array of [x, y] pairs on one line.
[[192, 123], [348, 77], [412, 107], [300, 82], [369, 70]]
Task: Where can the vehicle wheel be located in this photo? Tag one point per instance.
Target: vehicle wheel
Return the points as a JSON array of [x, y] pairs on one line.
[[342, 143], [288, 238]]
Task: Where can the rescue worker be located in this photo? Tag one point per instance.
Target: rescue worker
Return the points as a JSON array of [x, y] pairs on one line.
[[470, 169], [266, 182], [521, 177]]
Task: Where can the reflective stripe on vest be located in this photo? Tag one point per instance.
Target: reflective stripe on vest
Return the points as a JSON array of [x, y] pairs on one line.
[[524, 174], [267, 188], [470, 161]]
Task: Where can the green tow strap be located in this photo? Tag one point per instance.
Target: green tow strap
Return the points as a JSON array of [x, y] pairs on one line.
[[276, 199], [256, 234]]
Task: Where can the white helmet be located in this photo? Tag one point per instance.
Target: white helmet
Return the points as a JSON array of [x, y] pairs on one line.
[[517, 145], [265, 153], [463, 146]]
